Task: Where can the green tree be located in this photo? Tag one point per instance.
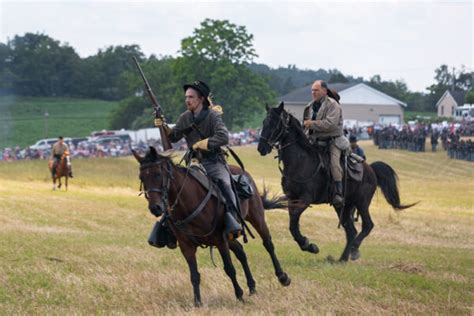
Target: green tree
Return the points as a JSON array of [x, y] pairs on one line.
[[218, 53], [469, 97], [337, 77], [217, 40], [102, 73], [136, 111], [41, 66]]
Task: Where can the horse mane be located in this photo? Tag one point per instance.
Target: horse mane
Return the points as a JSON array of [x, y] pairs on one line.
[[302, 139], [152, 155]]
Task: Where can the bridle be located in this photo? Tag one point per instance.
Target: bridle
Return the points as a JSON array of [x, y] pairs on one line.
[[274, 140], [165, 181]]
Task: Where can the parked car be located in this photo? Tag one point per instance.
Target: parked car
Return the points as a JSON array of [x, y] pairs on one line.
[[44, 144], [77, 140]]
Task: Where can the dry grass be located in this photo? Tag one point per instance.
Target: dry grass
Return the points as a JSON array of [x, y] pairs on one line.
[[85, 251]]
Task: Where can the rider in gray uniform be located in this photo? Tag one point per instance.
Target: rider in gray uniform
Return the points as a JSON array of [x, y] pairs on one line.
[[205, 132]]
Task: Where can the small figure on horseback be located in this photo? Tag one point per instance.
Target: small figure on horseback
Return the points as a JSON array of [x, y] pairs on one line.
[[60, 163]]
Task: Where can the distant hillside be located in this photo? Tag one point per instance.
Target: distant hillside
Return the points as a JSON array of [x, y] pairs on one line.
[[23, 122], [286, 79]]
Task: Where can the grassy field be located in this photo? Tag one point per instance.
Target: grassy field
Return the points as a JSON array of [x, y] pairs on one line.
[[85, 251], [22, 120]]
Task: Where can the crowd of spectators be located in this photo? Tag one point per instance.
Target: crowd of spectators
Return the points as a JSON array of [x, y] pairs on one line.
[[116, 148]]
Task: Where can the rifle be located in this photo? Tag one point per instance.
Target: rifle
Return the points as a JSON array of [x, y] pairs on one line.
[[156, 108]]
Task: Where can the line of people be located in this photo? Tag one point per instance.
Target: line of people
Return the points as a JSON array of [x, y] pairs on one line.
[[390, 137]]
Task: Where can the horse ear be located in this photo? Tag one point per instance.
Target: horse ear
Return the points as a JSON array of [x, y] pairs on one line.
[[281, 106], [153, 153], [267, 107], [137, 156]]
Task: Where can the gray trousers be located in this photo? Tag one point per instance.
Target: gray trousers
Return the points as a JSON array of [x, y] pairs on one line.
[[217, 170]]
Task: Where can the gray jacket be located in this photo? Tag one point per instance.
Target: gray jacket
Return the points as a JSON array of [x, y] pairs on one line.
[[211, 127]]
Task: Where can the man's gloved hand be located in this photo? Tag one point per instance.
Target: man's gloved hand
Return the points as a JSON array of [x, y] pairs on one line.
[[202, 144], [159, 121], [307, 123]]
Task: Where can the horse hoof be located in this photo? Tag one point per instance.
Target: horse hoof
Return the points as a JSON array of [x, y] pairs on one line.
[[252, 291], [312, 248], [284, 279], [197, 303], [355, 254], [331, 260]]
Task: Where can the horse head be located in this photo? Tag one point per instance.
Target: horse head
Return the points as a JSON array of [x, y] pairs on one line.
[[155, 176], [274, 127]]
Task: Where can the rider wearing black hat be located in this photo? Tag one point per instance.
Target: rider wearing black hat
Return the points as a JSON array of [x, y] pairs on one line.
[[204, 131]]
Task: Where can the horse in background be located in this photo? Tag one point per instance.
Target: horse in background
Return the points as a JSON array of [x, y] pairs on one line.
[[305, 181], [61, 170]]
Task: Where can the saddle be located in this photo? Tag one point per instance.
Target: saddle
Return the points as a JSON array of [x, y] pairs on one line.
[[162, 236], [354, 170]]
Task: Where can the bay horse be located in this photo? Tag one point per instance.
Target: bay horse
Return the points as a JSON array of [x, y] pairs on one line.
[[196, 217], [305, 181], [61, 170]]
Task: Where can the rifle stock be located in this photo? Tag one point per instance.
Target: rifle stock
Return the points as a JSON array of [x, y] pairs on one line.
[[165, 141]]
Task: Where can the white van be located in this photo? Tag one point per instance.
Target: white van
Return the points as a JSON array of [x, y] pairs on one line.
[[43, 144]]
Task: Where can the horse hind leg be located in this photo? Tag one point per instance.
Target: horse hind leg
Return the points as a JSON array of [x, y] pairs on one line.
[[59, 182], [303, 241], [350, 230], [239, 252], [367, 226], [230, 269]]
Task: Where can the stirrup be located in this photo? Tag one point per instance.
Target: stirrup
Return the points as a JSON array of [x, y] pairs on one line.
[[234, 235]]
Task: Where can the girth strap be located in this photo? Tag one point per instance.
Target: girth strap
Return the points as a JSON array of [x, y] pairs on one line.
[[198, 210]]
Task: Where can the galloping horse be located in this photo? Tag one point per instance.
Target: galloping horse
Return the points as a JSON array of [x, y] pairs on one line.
[[61, 170], [305, 181], [196, 216]]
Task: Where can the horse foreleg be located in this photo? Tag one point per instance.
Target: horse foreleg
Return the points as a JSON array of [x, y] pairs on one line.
[[59, 182], [189, 252], [239, 252], [264, 232], [54, 183], [66, 181], [302, 241], [347, 222], [229, 268]]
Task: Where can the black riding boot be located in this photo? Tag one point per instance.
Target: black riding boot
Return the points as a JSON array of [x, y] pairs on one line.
[[233, 229], [338, 200]]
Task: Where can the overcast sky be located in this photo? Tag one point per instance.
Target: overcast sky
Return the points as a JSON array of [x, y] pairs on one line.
[[397, 39]]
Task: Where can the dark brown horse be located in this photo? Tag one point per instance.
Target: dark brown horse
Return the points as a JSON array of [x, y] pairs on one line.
[[305, 181], [61, 170], [196, 217]]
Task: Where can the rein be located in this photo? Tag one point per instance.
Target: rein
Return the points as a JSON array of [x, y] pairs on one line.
[[179, 224], [276, 143]]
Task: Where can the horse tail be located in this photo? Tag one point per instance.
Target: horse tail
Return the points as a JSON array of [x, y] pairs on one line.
[[273, 202], [387, 180]]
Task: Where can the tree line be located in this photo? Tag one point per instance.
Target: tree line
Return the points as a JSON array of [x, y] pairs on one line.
[[218, 52]]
